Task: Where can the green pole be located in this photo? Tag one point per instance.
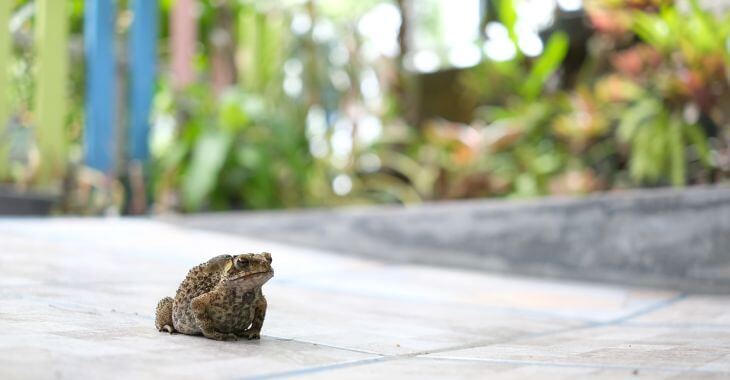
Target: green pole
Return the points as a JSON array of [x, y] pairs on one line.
[[4, 89], [51, 79]]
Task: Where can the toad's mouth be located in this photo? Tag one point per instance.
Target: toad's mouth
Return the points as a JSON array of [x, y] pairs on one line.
[[252, 274]]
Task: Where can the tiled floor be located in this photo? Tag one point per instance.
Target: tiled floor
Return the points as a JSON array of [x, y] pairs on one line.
[[77, 299]]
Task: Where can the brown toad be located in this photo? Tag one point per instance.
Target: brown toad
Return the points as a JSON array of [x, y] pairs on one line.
[[220, 299]]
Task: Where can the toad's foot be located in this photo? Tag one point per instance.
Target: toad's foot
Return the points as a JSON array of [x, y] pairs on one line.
[[221, 336], [163, 315], [250, 335]]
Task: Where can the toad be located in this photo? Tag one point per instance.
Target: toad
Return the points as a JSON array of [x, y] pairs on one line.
[[220, 299]]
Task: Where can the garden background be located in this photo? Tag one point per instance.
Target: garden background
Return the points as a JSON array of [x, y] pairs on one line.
[[141, 107]]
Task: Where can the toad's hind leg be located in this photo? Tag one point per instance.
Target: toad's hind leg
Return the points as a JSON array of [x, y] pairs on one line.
[[163, 315], [203, 320]]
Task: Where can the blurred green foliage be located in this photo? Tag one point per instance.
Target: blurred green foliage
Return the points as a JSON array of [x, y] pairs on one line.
[[235, 152], [649, 108], [314, 120]]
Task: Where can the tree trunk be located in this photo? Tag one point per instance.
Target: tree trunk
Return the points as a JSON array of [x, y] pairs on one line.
[[224, 47]]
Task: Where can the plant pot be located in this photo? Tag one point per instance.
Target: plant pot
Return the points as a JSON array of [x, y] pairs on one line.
[[13, 202]]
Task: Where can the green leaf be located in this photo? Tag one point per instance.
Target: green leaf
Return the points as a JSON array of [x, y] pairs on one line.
[[653, 30], [527, 186], [676, 157], [422, 177], [5, 54], [639, 160], [508, 16], [249, 157], [547, 163], [702, 31], [209, 155], [232, 114], [635, 116], [658, 147], [697, 137], [546, 65]]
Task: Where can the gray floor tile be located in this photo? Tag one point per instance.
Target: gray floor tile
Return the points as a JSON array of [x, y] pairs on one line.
[[651, 348], [420, 368], [77, 299]]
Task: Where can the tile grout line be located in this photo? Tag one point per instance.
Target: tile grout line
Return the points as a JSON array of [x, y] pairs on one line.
[[316, 369], [669, 325], [383, 358], [538, 363], [649, 309], [387, 358], [323, 345], [617, 321]]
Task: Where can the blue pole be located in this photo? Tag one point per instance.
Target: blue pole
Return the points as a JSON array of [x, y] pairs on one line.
[[143, 44], [99, 21]]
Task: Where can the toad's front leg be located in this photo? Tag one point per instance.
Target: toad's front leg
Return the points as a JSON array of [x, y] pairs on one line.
[[254, 332], [199, 306]]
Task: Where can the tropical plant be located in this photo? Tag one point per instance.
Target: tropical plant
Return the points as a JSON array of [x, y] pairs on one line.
[[652, 112], [679, 94]]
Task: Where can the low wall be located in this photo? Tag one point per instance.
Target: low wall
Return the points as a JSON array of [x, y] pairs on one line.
[[669, 238]]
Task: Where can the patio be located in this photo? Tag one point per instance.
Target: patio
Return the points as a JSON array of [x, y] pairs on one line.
[[77, 299]]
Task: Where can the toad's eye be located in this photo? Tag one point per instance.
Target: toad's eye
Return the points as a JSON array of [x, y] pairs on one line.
[[241, 261]]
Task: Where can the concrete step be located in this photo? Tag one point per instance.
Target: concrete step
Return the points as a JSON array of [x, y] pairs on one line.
[[669, 238]]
